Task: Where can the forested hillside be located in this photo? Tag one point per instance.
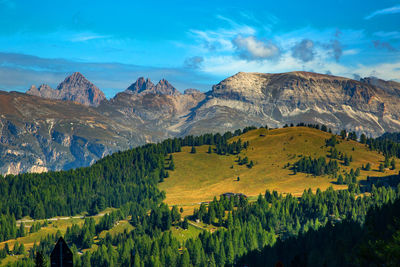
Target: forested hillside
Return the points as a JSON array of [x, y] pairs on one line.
[[347, 243], [233, 227]]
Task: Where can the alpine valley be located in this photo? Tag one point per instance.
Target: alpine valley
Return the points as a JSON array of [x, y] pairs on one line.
[[74, 125]]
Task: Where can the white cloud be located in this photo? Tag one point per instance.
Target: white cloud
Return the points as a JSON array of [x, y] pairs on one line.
[[220, 39], [228, 65], [250, 48], [386, 71], [385, 11]]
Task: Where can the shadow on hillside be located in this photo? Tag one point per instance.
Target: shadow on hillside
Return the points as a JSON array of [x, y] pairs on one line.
[[386, 181]]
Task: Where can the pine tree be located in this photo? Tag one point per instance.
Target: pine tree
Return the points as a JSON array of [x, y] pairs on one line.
[[212, 262], [185, 259], [386, 164], [251, 164], [393, 164], [185, 224], [381, 168], [193, 150], [363, 139], [346, 160], [21, 230], [340, 179], [229, 223], [368, 166], [176, 216], [7, 249], [40, 260], [209, 150], [343, 134], [136, 261], [230, 254], [221, 256], [171, 165]]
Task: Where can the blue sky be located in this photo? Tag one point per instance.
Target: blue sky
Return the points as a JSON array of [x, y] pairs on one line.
[[194, 44]]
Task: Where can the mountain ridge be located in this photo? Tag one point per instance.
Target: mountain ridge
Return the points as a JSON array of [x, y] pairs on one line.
[[147, 112]]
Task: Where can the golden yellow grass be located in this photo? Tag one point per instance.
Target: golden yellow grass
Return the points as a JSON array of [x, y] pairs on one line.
[[201, 176]]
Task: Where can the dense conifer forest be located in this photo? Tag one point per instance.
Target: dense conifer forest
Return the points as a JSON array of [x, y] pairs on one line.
[[311, 230]]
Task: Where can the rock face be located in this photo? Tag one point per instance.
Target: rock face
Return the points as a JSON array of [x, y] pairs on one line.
[[74, 88], [39, 134], [309, 97], [145, 86], [390, 87]]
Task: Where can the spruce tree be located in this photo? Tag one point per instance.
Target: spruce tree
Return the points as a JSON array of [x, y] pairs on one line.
[[343, 134], [381, 168], [40, 260], [346, 160], [251, 164], [193, 150], [386, 164], [171, 165], [357, 173], [185, 259], [136, 261], [393, 164], [363, 139], [368, 167], [185, 224], [340, 179]]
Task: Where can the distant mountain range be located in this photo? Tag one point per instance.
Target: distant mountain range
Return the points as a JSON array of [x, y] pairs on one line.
[[74, 124]]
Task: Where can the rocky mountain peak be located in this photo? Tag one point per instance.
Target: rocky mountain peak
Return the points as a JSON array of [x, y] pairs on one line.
[[74, 88], [44, 90], [44, 87], [75, 78], [140, 86], [33, 90], [145, 86], [165, 88], [242, 85], [77, 88]]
